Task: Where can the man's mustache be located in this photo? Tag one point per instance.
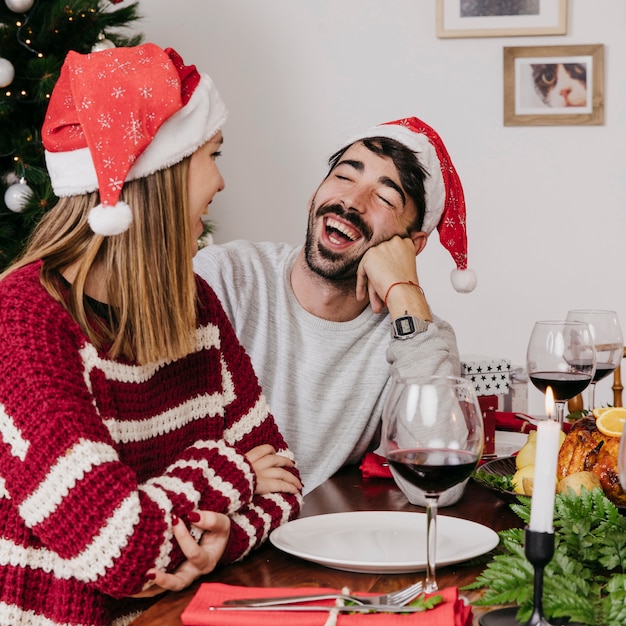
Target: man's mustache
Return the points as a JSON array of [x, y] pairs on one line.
[[348, 216]]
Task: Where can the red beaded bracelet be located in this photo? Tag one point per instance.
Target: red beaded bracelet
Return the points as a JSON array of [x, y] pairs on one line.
[[402, 282]]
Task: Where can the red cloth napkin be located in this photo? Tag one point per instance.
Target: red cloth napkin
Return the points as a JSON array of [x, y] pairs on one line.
[[375, 466], [508, 421], [452, 612]]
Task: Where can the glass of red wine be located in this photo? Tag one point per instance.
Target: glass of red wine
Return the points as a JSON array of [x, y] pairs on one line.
[[561, 355], [609, 341], [432, 436]]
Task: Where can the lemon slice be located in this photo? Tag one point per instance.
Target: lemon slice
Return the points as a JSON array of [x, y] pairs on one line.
[[601, 409], [611, 422]]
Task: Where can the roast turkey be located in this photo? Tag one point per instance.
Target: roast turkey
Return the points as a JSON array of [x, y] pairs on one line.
[[586, 449]]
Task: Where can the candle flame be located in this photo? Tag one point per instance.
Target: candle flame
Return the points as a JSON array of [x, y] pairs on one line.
[[549, 402]]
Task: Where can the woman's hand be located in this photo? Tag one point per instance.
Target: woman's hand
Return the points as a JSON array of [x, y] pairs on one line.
[[201, 557], [271, 475]]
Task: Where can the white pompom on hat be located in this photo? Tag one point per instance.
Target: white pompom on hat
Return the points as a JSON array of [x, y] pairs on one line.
[[120, 114], [445, 202]]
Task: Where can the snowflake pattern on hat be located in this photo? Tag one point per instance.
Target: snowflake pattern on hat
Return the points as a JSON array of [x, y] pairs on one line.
[[120, 114], [445, 201], [451, 225], [107, 102]]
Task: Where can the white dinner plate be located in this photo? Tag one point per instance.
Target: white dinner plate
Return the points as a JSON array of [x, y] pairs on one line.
[[508, 443], [384, 542]]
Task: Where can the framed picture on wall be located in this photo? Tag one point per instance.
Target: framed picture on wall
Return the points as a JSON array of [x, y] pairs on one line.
[[501, 18], [554, 85]]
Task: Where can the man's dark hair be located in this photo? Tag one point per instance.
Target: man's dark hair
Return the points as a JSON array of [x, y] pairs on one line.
[[412, 173]]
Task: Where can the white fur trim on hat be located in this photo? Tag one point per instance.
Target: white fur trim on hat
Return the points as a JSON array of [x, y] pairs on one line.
[[110, 220], [73, 173]]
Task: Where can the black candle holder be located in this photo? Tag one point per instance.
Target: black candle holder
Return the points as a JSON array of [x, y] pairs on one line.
[[539, 550]]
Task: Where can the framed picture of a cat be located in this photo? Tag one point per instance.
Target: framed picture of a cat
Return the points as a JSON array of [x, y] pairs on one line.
[[501, 18], [554, 85]]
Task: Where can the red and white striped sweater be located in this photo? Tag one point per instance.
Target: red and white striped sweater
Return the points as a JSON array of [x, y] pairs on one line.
[[97, 455]]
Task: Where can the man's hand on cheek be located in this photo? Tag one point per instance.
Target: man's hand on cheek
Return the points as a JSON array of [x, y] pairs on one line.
[[383, 265]]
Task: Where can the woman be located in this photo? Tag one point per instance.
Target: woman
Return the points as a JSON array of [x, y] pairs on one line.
[[137, 451]]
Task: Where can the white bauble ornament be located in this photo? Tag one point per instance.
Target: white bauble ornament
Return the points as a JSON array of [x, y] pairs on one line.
[[102, 44], [7, 72], [20, 6], [16, 196]]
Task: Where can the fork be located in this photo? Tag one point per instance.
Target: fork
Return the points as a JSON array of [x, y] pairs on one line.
[[401, 597]]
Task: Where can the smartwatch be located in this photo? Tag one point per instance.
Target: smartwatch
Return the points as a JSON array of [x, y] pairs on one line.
[[407, 326]]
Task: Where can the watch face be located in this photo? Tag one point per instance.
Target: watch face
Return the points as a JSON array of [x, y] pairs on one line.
[[405, 326]]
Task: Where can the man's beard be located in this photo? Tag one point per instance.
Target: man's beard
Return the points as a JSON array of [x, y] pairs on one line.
[[331, 265]]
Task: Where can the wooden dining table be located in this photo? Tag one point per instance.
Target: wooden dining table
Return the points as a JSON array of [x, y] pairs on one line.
[[346, 491]]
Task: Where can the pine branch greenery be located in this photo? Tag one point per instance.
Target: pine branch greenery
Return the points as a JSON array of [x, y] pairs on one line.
[[586, 580]]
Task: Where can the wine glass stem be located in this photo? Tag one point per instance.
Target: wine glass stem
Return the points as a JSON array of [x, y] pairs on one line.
[[592, 396], [431, 543], [559, 409]]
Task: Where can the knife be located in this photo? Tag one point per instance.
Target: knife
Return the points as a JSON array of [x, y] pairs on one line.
[[372, 608]]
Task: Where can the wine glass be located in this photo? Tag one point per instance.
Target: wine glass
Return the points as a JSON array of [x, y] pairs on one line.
[[609, 341], [561, 355], [432, 436]]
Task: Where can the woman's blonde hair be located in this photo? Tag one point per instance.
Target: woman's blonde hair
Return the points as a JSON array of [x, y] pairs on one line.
[[147, 270]]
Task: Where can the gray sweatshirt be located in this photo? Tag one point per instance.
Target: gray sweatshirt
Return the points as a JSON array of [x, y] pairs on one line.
[[326, 382]]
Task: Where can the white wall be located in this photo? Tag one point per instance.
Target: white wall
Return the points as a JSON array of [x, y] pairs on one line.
[[546, 205]]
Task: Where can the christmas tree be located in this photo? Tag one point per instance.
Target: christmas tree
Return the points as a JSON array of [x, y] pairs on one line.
[[35, 36]]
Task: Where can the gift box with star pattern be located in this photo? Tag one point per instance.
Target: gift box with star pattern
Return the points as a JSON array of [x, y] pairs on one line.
[[490, 375]]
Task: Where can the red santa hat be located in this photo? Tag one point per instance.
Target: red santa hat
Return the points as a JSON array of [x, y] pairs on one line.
[[120, 114], [445, 202]]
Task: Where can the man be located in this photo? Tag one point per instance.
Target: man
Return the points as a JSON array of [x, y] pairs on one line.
[[328, 323]]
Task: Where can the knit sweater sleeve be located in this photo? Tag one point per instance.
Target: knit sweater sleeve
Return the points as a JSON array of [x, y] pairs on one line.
[[431, 353], [75, 501], [249, 423]]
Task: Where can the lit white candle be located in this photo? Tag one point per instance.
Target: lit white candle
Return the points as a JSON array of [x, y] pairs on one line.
[[549, 404], [546, 457]]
